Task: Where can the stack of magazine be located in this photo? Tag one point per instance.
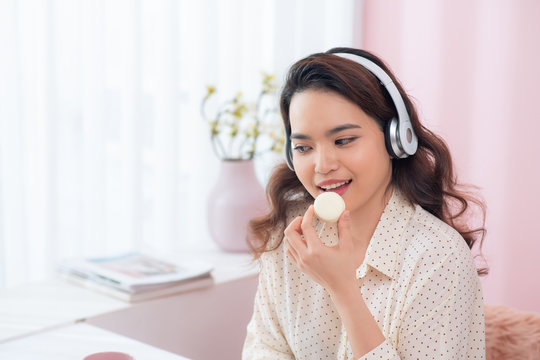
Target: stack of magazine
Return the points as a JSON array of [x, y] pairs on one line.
[[136, 277]]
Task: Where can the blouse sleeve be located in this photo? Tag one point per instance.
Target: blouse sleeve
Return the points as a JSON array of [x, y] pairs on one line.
[[443, 316], [265, 339]]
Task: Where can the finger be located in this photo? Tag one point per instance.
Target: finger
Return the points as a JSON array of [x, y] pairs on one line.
[[310, 234], [344, 230], [291, 252], [293, 234], [294, 226]]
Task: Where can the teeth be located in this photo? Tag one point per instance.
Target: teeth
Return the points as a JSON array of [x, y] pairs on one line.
[[333, 186]]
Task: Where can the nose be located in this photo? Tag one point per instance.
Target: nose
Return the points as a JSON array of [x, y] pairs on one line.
[[326, 161]]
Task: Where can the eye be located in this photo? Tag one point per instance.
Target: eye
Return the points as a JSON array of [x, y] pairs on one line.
[[301, 149], [345, 141]]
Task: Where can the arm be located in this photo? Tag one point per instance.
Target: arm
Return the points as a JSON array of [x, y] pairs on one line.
[[366, 339], [265, 339]]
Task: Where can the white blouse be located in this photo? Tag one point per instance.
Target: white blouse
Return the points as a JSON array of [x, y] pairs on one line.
[[418, 279]]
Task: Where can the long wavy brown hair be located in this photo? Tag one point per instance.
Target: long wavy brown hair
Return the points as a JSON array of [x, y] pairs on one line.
[[427, 178]]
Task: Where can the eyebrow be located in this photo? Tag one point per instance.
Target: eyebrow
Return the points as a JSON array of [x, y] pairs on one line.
[[330, 132]]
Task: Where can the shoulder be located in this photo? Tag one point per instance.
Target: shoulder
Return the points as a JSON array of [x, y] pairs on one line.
[[435, 266], [430, 233], [433, 245]]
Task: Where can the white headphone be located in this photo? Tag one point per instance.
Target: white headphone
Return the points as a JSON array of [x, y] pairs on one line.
[[400, 139]]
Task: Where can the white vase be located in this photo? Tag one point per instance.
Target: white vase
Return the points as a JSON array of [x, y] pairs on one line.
[[236, 198]]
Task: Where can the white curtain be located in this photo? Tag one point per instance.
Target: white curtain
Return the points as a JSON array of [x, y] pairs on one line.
[[102, 148]]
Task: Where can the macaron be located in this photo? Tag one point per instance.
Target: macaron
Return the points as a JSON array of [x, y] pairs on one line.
[[329, 206]]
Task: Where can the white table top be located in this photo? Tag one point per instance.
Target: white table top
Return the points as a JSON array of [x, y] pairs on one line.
[[35, 307], [74, 342]]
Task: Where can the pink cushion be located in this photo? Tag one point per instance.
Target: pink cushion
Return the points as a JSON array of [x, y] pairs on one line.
[[511, 334]]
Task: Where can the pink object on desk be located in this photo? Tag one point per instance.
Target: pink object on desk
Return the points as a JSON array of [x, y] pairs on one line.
[[109, 356], [236, 198]]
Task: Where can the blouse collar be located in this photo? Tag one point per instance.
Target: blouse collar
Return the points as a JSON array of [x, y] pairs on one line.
[[382, 252]]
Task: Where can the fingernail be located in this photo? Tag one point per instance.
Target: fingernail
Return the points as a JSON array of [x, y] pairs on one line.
[[346, 215]]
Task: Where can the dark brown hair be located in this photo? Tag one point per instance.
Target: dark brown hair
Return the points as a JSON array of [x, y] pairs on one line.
[[427, 178]]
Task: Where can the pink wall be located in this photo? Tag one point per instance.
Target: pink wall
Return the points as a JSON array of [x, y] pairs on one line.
[[474, 69]]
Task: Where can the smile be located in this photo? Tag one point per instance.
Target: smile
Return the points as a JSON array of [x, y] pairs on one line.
[[335, 186]]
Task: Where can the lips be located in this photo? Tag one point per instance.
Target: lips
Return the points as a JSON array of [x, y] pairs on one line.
[[339, 186]]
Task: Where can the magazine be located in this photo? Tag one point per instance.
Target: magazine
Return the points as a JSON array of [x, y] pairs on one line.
[[135, 276]]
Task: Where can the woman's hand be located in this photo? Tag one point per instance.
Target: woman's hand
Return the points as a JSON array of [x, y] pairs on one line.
[[332, 267]]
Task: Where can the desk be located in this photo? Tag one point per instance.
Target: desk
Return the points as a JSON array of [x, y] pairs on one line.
[[74, 342], [34, 307], [180, 323]]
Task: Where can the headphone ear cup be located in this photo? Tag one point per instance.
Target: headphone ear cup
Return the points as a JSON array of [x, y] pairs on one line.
[[390, 136]]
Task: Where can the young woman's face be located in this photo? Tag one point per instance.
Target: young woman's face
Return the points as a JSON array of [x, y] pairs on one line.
[[337, 147]]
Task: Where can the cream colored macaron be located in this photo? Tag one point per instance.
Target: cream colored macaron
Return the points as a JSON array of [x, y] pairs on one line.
[[329, 206]]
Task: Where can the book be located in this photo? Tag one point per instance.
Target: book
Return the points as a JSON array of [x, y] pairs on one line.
[[135, 276], [156, 293]]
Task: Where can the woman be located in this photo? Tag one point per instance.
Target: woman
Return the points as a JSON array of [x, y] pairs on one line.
[[394, 278]]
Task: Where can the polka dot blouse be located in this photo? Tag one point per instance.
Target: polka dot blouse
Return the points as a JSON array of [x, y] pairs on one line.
[[418, 279]]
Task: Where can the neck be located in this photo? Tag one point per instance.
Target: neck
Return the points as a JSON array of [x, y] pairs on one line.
[[365, 220]]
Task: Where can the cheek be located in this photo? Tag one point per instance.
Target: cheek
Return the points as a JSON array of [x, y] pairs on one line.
[[371, 163], [304, 172]]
